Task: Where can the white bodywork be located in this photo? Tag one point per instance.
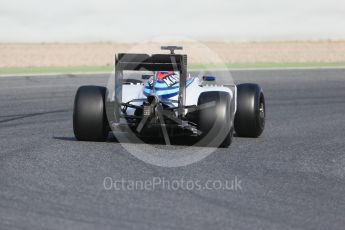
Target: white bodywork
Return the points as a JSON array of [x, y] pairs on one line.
[[193, 90]]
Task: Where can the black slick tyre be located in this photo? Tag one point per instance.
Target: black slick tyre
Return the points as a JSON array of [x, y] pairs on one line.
[[89, 114], [250, 113]]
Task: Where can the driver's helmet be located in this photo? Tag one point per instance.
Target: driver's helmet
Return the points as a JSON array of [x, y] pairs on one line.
[[166, 85]]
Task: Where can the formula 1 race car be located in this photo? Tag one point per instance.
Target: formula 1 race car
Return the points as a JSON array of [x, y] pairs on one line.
[[154, 96]]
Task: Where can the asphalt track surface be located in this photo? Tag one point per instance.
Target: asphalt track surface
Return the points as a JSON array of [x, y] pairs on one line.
[[293, 177]]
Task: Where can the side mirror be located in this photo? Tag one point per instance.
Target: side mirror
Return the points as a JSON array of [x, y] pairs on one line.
[[208, 78], [146, 76]]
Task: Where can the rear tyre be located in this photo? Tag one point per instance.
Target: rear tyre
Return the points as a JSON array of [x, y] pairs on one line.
[[89, 116], [214, 119], [250, 113]]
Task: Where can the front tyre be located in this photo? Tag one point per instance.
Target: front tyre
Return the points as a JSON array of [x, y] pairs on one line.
[[250, 113], [89, 115]]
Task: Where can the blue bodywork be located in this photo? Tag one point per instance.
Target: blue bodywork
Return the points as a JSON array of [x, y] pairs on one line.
[[164, 90]]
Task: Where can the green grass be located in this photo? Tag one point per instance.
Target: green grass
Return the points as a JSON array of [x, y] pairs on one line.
[[106, 69], [271, 65]]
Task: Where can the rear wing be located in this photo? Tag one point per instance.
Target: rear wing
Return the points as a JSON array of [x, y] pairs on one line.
[[155, 62], [146, 62]]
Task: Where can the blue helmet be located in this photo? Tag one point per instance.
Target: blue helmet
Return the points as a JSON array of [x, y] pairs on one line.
[[166, 86]]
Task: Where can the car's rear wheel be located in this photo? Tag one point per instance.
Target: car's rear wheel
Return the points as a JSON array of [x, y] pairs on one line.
[[250, 114], [214, 119], [89, 116]]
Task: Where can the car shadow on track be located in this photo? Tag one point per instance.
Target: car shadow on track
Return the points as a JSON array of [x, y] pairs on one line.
[[157, 141], [65, 138], [179, 141]]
